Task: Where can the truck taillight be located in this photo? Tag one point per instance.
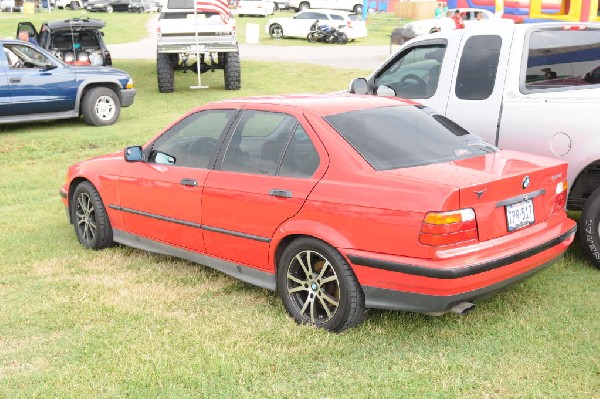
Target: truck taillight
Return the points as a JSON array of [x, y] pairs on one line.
[[560, 200], [445, 228]]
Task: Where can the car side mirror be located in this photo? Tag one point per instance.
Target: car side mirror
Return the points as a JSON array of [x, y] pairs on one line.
[[133, 154], [359, 86], [49, 67]]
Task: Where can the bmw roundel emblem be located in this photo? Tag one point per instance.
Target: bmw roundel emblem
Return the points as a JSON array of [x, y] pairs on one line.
[[526, 182]]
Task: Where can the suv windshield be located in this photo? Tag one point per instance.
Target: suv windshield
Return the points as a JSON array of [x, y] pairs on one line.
[[406, 136], [559, 59]]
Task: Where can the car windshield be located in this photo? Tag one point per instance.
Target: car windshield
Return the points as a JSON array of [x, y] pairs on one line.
[[405, 136]]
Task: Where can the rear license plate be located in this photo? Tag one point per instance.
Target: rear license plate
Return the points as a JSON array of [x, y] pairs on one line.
[[519, 215]]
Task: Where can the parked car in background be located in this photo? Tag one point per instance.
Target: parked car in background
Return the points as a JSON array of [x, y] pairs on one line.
[[338, 202], [8, 5], [260, 8], [75, 41], [355, 6], [108, 5], [469, 15], [299, 25], [140, 6], [282, 5], [72, 4], [35, 86]]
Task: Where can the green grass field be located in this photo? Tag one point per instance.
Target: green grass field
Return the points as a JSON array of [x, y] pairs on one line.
[[124, 323]]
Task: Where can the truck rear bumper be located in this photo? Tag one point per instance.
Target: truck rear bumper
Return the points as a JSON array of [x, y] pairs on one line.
[[199, 48]]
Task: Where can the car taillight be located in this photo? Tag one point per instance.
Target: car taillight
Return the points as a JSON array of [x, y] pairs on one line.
[[560, 200], [349, 23], [445, 228], [158, 31]]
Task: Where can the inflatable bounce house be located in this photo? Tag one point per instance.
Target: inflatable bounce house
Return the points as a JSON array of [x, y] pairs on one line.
[[537, 10]]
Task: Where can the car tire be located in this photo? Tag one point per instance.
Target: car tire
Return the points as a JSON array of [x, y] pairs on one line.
[[589, 228], [92, 226], [109, 9], [311, 37], [100, 107], [74, 5], [303, 6], [165, 73], [276, 31], [232, 71], [318, 287], [358, 9]]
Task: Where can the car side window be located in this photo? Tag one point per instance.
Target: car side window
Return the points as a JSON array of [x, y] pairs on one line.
[[472, 81], [415, 73], [21, 56], [306, 15], [193, 141], [321, 16], [337, 17], [258, 142], [301, 158]]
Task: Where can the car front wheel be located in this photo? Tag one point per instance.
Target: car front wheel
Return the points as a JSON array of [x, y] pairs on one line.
[[89, 217], [101, 107], [318, 287], [276, 31]]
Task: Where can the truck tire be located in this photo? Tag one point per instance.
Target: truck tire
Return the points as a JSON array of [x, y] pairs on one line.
[[100, 106], [164, 73], [589, 228], [303, 6], [74, 5], [233, 72], [358, 9]]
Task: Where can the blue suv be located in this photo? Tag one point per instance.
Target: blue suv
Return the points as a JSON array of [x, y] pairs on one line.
[[35, 85]]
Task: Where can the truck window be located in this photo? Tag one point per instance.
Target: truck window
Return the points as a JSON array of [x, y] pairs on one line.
[[563, 59], [415, 73], [477, 69]]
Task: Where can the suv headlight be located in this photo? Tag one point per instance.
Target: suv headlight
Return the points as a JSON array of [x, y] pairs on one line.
[[129, 84]]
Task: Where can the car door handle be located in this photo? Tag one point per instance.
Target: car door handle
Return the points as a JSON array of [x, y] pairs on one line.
[[275, 192], [14, 80], [189, 182]]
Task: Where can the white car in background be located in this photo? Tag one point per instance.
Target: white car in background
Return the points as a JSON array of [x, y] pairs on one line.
[[469, 15], [299, 25], [260, 8]]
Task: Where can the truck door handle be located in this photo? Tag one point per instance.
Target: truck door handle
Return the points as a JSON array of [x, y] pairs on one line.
[[275, 192], [189, 182], [14, 80]]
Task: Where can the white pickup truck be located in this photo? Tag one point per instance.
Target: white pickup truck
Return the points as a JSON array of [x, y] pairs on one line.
[[531, 87], [195, 41]]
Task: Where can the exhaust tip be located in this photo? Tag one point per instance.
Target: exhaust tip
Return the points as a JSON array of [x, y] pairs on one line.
[[462, 308]]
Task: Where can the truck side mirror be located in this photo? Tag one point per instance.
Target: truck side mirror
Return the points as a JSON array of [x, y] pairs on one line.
[[133, 154], [359, 86]]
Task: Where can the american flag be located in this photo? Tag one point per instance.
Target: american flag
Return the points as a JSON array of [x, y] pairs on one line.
[[219, 6]]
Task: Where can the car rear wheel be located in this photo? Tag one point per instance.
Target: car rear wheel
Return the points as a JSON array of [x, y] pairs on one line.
[[101, 107], [318, 287], [89, 217], [589, 228], [276, 31], [232, 71]]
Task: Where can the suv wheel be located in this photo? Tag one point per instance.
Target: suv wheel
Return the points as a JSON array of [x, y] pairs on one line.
[[100, 107], [164, 73], [233, 73]]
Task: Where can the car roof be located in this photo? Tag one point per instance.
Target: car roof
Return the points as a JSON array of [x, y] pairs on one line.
[[326, 10], [323, 104], [75, 23]]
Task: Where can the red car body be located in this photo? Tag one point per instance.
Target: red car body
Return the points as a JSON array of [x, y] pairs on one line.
[[241, 223]]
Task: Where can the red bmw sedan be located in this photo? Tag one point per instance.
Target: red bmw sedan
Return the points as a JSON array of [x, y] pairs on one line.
[[339, 202]]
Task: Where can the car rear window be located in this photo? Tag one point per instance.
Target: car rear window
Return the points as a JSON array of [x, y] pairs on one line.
[[563, 59], [405, 136]]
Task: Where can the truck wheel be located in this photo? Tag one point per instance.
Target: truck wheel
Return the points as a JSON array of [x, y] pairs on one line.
[[589, 228], [233, 72], [74, 5], [304, 6], [164, 73], [358, 9], [100, 107]]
